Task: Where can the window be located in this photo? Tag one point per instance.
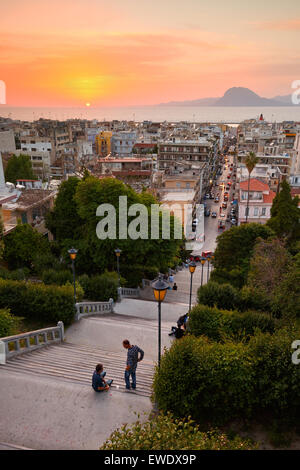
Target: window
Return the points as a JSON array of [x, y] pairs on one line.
[[256, 211], [246, 211], [263, 211]]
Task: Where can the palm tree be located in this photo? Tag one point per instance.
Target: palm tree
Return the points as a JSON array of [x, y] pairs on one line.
[[250, 162]]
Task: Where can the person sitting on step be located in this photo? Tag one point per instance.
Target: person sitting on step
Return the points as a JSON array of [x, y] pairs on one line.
[[98, 382]]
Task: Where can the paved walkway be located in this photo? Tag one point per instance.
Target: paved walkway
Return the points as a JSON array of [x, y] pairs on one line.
[[46, 399]]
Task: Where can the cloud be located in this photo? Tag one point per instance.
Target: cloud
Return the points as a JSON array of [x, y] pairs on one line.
[[281, 25]]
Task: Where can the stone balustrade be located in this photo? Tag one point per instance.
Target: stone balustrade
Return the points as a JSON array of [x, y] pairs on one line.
[[84, 309], [11, 346], [130, 292]]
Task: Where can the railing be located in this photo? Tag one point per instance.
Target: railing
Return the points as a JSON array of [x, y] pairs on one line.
[[146, 282], [129, 292], [11, 346], [84, 309]]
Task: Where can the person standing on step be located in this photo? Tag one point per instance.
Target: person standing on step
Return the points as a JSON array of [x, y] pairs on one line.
[[132, 359]]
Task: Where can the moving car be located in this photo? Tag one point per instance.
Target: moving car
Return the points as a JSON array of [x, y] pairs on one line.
[[224, 205], [217, 199], [221, 225], [206, 254], [207, 212], [214, 214]]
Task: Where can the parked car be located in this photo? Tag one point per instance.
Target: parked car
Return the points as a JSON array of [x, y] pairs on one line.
[[207, 212]]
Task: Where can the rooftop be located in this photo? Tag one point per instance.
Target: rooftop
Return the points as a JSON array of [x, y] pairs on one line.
[[255, 185]]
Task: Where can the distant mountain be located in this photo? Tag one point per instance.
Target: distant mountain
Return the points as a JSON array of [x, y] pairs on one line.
[[236, 96], [200, 102], [239, 96], [286, 99]]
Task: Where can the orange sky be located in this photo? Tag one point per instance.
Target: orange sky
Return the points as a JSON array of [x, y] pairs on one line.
[[67, 53]]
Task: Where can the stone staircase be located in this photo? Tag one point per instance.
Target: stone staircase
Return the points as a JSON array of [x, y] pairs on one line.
[[76, 363], [182, 279]]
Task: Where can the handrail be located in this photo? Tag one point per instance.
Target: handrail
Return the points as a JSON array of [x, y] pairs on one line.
[[84, 309], [54, 334]]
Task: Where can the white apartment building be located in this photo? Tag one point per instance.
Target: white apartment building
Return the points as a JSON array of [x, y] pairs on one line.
[[41, 152], [260, 201]]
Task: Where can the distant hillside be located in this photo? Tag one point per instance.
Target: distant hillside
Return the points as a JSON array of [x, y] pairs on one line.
[[236, 96], [200, 102], [239, 96], [286, 99]]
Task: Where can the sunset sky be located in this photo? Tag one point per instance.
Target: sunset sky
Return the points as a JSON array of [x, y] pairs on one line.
[[135, 52]]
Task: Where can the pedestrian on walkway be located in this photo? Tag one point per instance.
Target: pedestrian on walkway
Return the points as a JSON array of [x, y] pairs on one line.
[[132, 359], [171, 280], [98, 382], [175, 286]]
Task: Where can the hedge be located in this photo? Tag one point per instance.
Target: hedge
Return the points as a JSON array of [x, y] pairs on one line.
[[219, 324], [211, 382], [38, 301], [8, 323], [51, 276], [100, 288], [163, 432], [227, 297], [219, 382]]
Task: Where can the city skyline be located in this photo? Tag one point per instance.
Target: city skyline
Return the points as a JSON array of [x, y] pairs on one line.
[[135, 53]]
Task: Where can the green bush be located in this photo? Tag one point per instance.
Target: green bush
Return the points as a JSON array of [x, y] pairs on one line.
[[38, 301], [163, 432], [60, 278], [221, 324], [227, 297], [134, 274], [277, 378], [101, 288], [218, 382], [16, 275], [211, 382], [8, 323], [223, 296]]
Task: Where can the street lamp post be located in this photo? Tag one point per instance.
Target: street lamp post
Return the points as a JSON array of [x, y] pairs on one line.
[[202, 260], [159, 289], [192, 267], [73, 253], [208, 260]]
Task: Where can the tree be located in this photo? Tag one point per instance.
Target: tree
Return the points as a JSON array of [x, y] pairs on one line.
[[64, 221], [234, 250], [99, 253], [22, 245], [269, 263], [250, 162], [19, 167], [285, 214], [286, 299]]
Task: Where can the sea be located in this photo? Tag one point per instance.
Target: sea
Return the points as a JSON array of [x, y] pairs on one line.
[[209, 114]]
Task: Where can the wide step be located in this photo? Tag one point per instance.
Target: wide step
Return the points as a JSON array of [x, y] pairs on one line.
[[76, 363]]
